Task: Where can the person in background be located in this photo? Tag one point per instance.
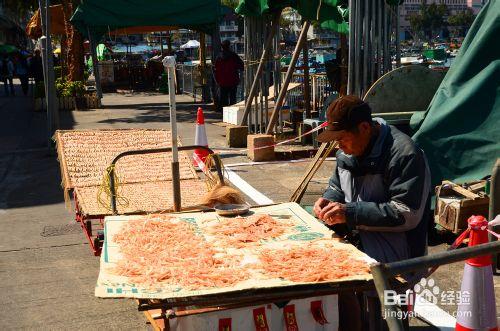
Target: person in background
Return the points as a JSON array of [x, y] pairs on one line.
[[7, 74], [21, 69], [226, 70], [36, 67]]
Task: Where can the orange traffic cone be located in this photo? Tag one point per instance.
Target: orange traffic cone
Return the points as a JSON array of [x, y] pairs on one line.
[[200, 138], [477, 309]]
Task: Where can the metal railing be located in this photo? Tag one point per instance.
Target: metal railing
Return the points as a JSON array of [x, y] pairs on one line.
[[382, 272], [320, 89], [189, 78], [229, 28]]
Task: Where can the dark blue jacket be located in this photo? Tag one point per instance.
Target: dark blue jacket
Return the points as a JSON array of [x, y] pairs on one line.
[[386, 195]]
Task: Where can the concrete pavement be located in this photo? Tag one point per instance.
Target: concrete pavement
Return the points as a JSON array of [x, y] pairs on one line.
[[47, 271]]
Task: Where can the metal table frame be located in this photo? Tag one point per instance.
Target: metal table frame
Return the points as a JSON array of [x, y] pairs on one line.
[[218, 166], [91, 229], [382, 272]]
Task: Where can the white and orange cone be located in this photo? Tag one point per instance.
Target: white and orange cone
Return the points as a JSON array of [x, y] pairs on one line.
[[478, 312], [200, 138]]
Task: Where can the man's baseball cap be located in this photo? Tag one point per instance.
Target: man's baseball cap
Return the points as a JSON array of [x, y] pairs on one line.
[[344, 114]]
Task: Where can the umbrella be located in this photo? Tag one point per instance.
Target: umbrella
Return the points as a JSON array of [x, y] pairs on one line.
[[191, 44]]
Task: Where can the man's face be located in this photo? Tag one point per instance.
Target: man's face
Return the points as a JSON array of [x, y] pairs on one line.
[[355, 142]]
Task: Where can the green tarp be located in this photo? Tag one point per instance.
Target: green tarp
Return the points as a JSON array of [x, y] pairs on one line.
[[102, 16], [460, 131], [330, 13]]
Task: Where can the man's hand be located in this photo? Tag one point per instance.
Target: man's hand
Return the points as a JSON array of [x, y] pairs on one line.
[[319, 205], [333, 213]]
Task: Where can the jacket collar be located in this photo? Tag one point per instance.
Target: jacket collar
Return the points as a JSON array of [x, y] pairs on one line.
[[379, 143]]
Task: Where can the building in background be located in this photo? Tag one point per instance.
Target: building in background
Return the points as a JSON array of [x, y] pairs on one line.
[[475, 5], [11, 31], [291, 25], [411, 7], [322, 38]]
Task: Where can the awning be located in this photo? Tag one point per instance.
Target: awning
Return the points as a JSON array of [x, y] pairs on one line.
[[99, 17], [142, 29], [34, 28]]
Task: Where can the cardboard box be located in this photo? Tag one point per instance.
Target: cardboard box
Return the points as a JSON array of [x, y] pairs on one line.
[[455, 204]]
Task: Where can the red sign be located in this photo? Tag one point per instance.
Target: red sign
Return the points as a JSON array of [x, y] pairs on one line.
[[290, 318], [259, 317], [317, 312], [225, 324]]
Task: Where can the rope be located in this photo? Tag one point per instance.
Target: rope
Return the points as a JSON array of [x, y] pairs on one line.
[[104, 189]]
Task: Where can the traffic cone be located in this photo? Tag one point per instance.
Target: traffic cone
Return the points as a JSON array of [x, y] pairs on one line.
[[477, 309], [200, 138]]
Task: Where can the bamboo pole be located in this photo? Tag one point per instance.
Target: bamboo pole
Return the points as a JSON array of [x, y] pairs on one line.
[[322, 153], [307, 94], [398, 46], [203, 69], [95, 67], [263, 59], [350, 65], [288, 77]]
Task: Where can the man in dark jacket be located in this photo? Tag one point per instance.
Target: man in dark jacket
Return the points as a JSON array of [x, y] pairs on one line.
[[380, 188], [226, 70]]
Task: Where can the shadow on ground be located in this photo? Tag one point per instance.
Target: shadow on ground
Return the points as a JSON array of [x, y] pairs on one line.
[[149, 113], [29, 170]]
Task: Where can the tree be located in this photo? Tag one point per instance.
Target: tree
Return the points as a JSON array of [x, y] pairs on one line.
[[462, 20], [417, 25], [430, 19], [230, 3]]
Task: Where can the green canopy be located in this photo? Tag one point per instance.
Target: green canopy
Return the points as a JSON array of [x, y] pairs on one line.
[[102, 16], [460, 131], [330, 13]]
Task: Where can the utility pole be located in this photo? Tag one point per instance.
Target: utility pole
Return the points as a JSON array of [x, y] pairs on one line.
[[48, 71]]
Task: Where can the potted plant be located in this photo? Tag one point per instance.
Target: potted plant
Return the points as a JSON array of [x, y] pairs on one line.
[[76, 89], [60, 86]]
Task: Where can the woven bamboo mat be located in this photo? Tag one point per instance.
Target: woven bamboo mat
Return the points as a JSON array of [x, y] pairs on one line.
[[84, 156], [141, 197]]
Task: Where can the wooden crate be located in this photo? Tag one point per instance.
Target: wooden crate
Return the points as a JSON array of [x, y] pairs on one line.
[[455, 204], [67, 103]]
